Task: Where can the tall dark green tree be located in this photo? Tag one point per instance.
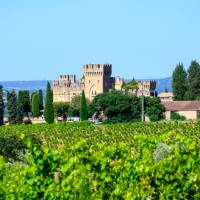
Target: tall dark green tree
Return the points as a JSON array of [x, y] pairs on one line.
[[61, 109], [41, 107], [116, 106], [20, 107], [154, 109], [193, 81], [49, 110], [74, 109], [1, 106], [12, 107], [179, 82], [35, 105], [20, 100], [83, 108], [27, 102], [24, 101]]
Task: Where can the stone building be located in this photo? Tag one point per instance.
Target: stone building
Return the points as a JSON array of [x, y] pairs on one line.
[[96, 79], [166, 96], [146, 88], [189, 109]]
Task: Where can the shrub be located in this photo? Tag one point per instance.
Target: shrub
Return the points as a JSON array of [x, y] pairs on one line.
[[176, 116]]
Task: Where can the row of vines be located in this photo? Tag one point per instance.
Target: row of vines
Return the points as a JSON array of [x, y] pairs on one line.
[[84, 161]]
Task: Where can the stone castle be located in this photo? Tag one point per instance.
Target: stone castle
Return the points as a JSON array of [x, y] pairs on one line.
[[96, 80]]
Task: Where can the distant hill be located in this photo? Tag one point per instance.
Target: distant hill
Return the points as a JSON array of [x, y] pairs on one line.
[[164, 83], [36, 85], [24, 85]]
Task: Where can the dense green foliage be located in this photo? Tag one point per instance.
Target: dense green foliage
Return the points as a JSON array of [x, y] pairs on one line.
[[133, 85], [24, 101], [20, 105], [61, 109], [120, 107], [186, 85], [49, 110], [176, 116], [179, 82], [12, 107], [154, 109], [20, 110], [193, 91], [83, 108], [1, 106], [35, 105], [121, 161], [74, 109], [41, 106], [116, 106]]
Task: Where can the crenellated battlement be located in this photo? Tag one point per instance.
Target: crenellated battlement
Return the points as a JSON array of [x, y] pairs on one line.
[[96, 79], [147, 85], [97, 70], [67, 78]]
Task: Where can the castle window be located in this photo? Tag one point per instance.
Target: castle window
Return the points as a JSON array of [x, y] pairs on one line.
[[98, 81], [94, 93]]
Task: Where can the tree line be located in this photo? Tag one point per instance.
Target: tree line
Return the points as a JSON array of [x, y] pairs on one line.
[[22, 105], [111, 107], [186, 83]]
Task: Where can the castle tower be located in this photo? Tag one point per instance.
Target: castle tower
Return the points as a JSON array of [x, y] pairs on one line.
[[118, 83], [65, 88], [146, 88], [97, 79]]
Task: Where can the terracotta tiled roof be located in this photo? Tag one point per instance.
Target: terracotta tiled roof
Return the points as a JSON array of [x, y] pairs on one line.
[[182, 105]]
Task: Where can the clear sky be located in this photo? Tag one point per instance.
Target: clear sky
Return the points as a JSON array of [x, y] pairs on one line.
[[40, 39]]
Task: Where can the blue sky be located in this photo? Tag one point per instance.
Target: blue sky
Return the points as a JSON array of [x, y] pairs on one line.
[[40, 39]]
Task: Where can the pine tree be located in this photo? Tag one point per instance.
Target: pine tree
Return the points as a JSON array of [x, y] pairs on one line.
[[49, 110], [41, 107], [12, 107], [1, 106], [193, 81], [83, 108], [35, 105], [179, 82]]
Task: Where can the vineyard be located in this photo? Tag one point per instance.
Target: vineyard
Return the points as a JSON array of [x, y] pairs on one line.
[[85, 161]]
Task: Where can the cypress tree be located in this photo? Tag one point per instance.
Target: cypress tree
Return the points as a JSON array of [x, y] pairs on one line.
[[49, 110], [41, 107], [193, 81], [1, 106], [20, 104], [179, 82], [27, 103], [24, 102], [83, 108], [12, 107], [35, 105], [32, 95], [20, 108]]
